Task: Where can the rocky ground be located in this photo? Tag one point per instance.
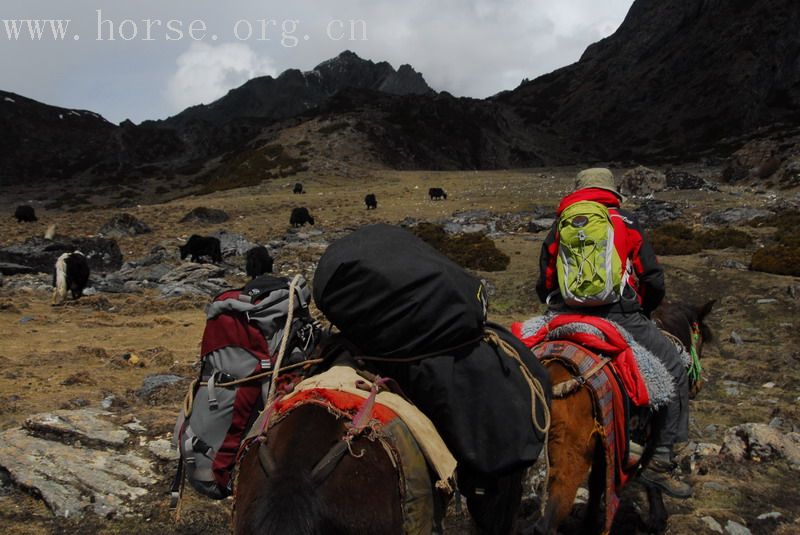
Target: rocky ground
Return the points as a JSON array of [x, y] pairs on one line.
[[89, 390]]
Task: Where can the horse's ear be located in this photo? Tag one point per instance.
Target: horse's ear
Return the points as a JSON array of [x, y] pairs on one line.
[[705, 310]]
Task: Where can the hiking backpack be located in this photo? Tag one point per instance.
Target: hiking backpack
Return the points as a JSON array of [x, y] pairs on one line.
[[590, 270], [242, 338]]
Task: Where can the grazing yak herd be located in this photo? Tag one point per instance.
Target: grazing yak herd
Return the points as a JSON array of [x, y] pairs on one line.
[[71, 271]]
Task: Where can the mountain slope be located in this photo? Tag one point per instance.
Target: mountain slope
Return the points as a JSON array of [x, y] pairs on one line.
[[677, 75]]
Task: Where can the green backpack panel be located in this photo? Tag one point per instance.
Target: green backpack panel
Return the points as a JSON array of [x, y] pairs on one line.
[[589, 268]]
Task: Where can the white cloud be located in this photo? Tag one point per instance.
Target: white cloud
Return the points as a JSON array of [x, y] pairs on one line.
[[206, 72]]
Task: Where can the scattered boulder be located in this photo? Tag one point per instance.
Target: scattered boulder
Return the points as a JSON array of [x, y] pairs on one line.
[[102, 254], [759, 442], [201, 214], [233, 244], [735, 528], [191, 278], [653, 213], [642, 181], [124, 225], [472, 221], [733, 216]]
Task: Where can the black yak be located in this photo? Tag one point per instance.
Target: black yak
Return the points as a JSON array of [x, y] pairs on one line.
[[198, 246]]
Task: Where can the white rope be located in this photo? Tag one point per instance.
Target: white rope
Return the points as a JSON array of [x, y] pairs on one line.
[[284, 341]]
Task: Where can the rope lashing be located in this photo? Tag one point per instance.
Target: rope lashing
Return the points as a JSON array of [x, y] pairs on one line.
[[284, 340], [537, 395]]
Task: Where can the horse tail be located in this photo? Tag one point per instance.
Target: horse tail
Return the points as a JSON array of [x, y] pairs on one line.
[[291, 503]]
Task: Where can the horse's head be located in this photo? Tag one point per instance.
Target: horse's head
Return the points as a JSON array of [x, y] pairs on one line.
[[687, 323]]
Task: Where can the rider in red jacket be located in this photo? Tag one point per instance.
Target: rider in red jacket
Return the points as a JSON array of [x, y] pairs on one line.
[[643, 292]]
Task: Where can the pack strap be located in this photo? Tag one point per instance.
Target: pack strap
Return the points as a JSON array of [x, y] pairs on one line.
[[567, 387], [188, 400]]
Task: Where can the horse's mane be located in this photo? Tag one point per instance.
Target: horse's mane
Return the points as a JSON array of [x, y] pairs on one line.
[[291, 503], [291, 506], [677, 318]]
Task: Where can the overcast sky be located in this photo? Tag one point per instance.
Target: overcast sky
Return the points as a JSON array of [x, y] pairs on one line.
[[166, 55]]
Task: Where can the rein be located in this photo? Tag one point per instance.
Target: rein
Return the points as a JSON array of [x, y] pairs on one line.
[[695, 369]]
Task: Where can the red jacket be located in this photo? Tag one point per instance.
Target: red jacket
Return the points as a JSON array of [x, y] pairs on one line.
[[645, 288]]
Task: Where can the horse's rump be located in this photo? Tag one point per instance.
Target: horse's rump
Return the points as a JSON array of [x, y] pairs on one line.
[[608, 402]]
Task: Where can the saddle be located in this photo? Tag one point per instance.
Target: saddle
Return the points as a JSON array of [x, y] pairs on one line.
[[407, 435]]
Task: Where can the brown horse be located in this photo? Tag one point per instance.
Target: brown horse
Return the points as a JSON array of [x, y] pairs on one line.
[[298, 482], [575, 450]]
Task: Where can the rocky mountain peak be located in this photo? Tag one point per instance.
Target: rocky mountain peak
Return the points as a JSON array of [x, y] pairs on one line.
[[677, 75], [294, 92]]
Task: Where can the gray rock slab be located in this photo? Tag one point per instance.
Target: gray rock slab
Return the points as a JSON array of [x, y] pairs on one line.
[[85, 425], [75, 480], [9, 268], [735, 528]]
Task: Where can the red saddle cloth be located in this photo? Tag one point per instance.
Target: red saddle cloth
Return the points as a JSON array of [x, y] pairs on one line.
[[613, 346]]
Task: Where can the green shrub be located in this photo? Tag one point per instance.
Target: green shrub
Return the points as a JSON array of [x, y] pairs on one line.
[[779, 259], [786, 223], [724, 238], [678, 239], [472, 251]]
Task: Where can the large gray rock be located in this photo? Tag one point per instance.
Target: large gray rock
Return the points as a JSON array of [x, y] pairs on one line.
[[653, 213], [761, 442], [642, 181], [735, 528], [86, 425], [124, 225], [39, 254], [193, 279], [233, 244], [686, 180], [74, 480]]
